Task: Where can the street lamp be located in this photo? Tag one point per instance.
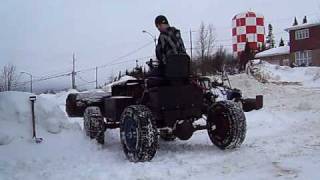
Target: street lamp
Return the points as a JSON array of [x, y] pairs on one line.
[[153, 37], [30, 78]]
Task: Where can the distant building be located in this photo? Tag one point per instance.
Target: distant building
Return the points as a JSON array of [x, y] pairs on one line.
[[247, 27], [305, 44], [279, 55]]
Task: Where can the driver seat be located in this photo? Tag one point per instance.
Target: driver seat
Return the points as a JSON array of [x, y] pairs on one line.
[[176, 70]]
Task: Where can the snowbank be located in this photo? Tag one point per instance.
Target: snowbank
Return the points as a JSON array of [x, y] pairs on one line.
[[15, 115], [306, 76]]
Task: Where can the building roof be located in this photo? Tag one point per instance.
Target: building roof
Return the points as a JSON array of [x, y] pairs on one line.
[[301, 26], [247, 14], [282, 50]]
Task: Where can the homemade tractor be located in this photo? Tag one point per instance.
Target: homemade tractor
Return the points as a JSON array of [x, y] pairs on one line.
[[166, 104]]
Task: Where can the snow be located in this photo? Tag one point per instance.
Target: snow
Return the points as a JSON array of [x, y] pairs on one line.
[[91, 97], [282, 50], [4, 139], [301, 26], [123, 79], [15, 116], [306, 76], [283, 142]]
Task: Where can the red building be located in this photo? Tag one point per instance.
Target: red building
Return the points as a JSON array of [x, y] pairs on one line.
[[305, 44]]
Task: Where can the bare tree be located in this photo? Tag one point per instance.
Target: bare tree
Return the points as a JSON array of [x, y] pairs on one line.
[[202, 45], [206, 40], [210, 39], [8, 77], [205, 46]]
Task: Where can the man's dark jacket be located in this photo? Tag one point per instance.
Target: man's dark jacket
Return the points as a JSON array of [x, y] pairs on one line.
[[169, 43]]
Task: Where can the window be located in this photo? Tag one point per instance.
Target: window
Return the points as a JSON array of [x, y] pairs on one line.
[[302, 34], [303, 58]]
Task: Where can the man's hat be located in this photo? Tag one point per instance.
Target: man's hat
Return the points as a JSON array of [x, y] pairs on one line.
[[161, 20]]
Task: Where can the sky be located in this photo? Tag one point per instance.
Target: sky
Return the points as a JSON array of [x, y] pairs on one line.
[[40, 36]]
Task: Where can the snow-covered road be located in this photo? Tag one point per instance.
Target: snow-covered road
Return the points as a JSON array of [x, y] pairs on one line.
[[283, 142]]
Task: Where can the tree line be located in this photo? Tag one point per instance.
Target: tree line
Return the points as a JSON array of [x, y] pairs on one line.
[[209, 62]]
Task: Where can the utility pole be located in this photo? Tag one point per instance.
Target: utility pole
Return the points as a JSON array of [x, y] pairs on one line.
[[73, 74], [30, 79], [191, 44], [96, 77], [154, 38]]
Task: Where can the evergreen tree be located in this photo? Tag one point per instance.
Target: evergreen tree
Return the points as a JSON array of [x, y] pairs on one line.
[[295, 23], [270, 38], [119, 76], [262, 47], [281, 42], [246, 56], [305, 21]]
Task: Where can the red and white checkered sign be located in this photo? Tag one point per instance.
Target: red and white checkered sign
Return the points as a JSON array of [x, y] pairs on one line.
[[247, 27]]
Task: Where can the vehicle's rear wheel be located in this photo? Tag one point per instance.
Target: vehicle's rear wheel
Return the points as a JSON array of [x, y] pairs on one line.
[[138, 133], [226, 125], [167, 136], [93, 123]]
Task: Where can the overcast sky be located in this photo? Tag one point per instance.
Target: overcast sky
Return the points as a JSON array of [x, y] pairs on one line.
[[39, 36]]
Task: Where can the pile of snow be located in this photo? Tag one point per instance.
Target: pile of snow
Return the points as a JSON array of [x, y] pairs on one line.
[[123, 79], [282, 50], [306, 76], [278, 97], [16, 119]]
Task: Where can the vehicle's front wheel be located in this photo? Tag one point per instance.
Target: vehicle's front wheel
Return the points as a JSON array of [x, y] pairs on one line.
[[93, 123], [138, 133], [226, 125]]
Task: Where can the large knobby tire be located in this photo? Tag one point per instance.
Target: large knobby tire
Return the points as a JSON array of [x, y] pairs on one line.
[[226, 124], [167, 136], [93, 123], [138, 133]]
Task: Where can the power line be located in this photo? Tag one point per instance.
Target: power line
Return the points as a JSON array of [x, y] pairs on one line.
[[81, 78], [84, 84], [112, 64], [62, 74], [79, 71], [134, 51], [41, 79], [68, 73], [119, 58]]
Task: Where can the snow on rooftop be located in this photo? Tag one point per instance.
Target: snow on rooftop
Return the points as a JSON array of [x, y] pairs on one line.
[[274, 52], [301, 26]]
